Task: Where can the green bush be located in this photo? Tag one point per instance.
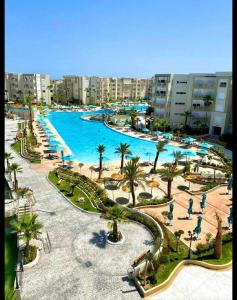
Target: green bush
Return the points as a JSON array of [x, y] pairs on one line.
[[164, 259], [151, 201], [174, 256], [209, 186], [200, 248], [227, 237]]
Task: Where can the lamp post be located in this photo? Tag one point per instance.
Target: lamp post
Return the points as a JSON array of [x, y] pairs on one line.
[[190, 233]]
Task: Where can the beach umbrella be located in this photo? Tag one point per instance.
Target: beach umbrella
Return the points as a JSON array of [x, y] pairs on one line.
[[203, 203], [229, 184], [170, 217], [205, 145], [54, 142], [117, 176], [171, 207], [167, 135], [145, 130], [230, 218], [127, 126], [189, 154], [157, 132], [188, 140], [198, 228], [190, 208], [56, 148], [204, 196], [152, 184], [69, 158], [62, 156], [148, 154], [202, 151]]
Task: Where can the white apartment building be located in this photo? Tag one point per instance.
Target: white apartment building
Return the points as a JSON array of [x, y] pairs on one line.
[[96, 90], [18, 85], [173, 94]]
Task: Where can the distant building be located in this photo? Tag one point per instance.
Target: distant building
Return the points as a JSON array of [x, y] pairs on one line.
[[18, 85], [173, 94]]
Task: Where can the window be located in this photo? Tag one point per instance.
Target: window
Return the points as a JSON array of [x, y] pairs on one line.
[[180, 93], [185, 82], [43, 91], [179, 103], [196, 105], [223, 84]]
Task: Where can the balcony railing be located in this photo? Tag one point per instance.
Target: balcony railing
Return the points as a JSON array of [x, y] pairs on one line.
[[201, 108], [201, 96], [203, 85]]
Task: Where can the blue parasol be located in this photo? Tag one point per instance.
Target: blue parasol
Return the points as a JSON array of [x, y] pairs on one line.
[[190, 208]]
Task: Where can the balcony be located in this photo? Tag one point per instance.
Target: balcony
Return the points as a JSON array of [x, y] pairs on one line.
[[158, 106], [201, 108], [201, 96], [204, 85]]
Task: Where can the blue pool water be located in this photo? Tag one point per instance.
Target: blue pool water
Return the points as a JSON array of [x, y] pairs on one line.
[[137, 107], [83, 137]]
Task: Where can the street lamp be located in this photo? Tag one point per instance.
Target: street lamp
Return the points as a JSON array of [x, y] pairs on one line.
[[191, 234]]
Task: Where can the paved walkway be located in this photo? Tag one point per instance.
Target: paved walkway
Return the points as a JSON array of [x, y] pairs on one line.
[[81, 265]]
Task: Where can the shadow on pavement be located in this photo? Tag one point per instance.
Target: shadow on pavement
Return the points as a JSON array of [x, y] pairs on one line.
[[99, 239]]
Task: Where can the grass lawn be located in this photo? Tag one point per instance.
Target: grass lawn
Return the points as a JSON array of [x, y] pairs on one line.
[[17, 148], [166, 269], [64, 187], [10, 258]]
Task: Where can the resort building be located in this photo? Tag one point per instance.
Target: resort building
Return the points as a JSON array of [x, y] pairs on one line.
[[97, 90], [174, 94], [18, 85]]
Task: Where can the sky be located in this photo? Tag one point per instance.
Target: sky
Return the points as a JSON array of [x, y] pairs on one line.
[[120, 38]]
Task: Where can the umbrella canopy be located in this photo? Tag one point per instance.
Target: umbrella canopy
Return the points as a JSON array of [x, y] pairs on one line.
[[127, 126], [153, 183], [198, 228], [157, 132], [56, 148], [171, 207], [204, 196], [189, 153], [230, 217], [190, 208], [145, 130], [117, 176], [126, 188], [188, 139], [205, 145], [202, 151], [167, 135], [54, 142], [69, 158]]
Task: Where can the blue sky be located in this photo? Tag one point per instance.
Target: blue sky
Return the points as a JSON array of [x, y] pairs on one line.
[[133, 38]]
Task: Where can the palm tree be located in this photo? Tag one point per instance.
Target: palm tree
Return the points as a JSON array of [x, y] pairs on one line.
[[91, 168], [149, 259], [116, 214], [80, 165], [22, 193], [208, 100], [29, 102], [15, 168], [8, 157], [198, 124], [29, 227], [218, 239], [20, 93], [100, 149], [177, 156], [133, 176], [178, 236], [133, 116], [123, 150], [160, 147], [187, 114], [170, 172], [164, 124], [187, 167]]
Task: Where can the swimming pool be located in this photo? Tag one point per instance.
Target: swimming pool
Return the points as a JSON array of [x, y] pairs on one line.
[[83, 137]]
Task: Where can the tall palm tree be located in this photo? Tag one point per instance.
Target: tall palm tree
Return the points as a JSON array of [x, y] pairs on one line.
[[123, 150], [198, 124], [178, 236], [22, 193], [133, 116], [80, 165], [15, 168], [164, 124], [100, 149], [160, 147], [187, 114], [29, 227], [8, 157], [149, 259], [116, 214], [208, 100], [133, 176], [218, 238], [177, 156], [29, 102], [170, 172]]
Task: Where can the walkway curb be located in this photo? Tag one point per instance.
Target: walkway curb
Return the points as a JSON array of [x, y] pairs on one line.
[[167, 283]]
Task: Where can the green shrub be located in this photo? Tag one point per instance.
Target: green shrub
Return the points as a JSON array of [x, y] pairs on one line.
[[227, 237], [200, 248], [151, 201], [209, 186], [174, 256], [164, 259]]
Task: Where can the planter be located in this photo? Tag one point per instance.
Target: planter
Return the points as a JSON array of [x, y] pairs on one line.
[[115, 243], [34, 262]]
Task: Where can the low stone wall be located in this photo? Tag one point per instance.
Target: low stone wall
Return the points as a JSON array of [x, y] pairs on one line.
[[211, 190], [163, 286]]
